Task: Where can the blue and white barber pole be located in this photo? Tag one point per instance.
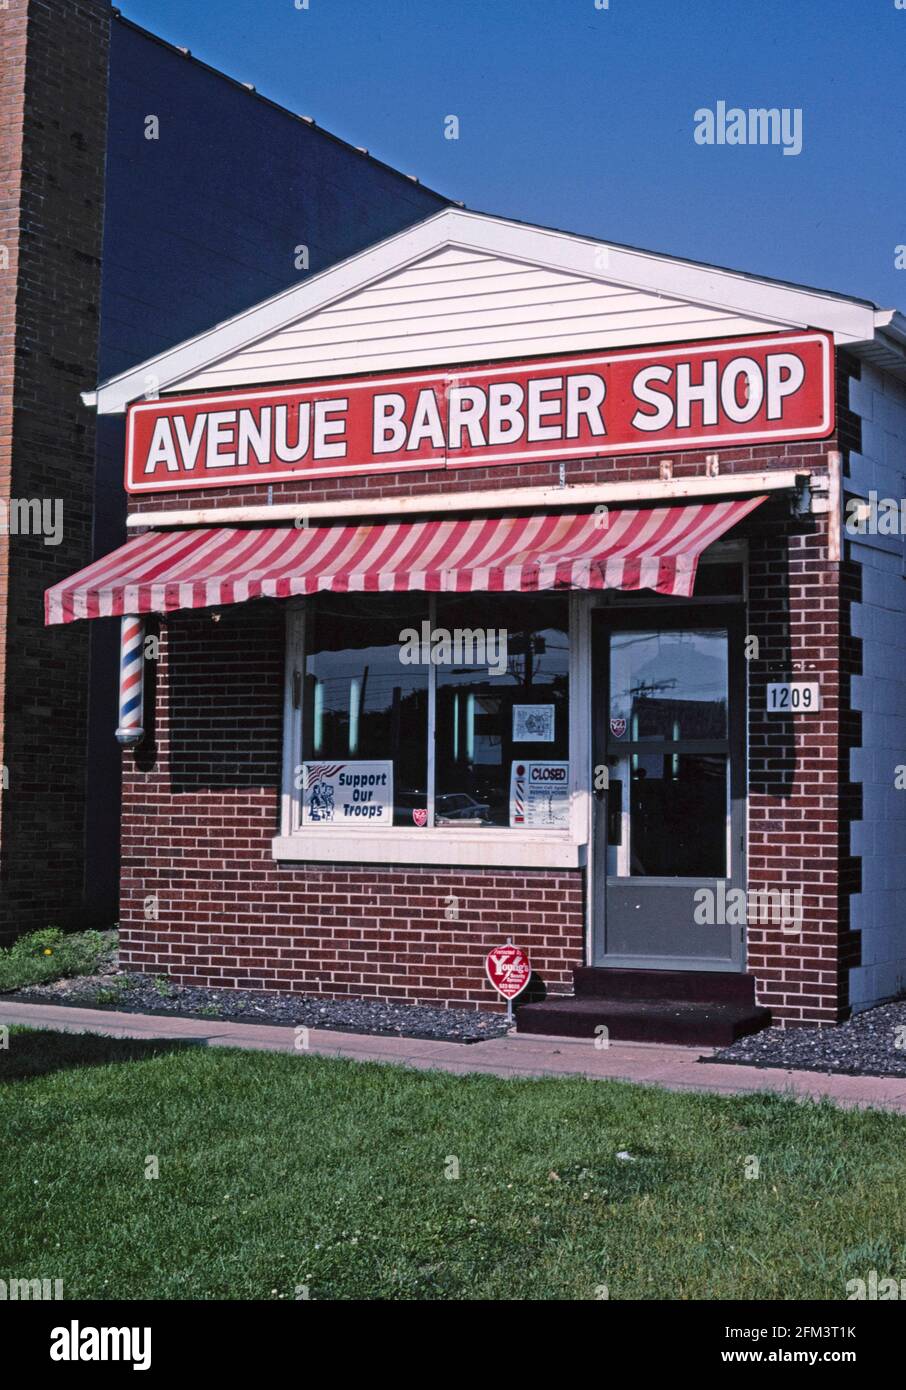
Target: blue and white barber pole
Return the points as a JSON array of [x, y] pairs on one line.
[[132, 681]]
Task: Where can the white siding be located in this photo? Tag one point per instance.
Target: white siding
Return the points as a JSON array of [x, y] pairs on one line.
[[457, 305], [879, 911]]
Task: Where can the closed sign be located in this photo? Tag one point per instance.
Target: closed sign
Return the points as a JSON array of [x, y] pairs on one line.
[[796, 697]]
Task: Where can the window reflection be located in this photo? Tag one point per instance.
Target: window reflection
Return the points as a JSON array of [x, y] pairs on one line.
[[502, 698], [360, 701], [478, 734], [669, 685]]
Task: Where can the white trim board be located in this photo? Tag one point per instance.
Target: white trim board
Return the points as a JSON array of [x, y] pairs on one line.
[[486, 848], [578, 495], [588, 260]]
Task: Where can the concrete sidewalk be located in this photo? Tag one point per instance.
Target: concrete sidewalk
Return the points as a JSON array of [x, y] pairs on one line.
[[654, 1064]]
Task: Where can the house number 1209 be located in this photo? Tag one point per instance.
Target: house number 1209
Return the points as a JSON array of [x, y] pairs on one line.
[[797, 697]]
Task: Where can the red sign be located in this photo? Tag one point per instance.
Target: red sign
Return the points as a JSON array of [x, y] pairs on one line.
[[508, 970], [729, 392]]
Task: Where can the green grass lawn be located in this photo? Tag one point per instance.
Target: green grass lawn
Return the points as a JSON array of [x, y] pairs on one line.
[[278, 1171]]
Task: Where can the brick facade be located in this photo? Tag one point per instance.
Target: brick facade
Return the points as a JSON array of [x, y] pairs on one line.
[[51, 204], [201, 803]]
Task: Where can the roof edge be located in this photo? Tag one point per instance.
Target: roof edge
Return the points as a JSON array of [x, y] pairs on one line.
[[852, 321], [251, 91]]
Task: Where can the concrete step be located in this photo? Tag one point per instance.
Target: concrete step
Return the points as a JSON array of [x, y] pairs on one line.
[[692, 1022]]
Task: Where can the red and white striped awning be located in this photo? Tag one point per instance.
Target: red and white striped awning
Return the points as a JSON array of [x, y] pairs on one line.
[[634, 548]]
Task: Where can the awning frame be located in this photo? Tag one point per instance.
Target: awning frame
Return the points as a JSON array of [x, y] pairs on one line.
[[579, 495]]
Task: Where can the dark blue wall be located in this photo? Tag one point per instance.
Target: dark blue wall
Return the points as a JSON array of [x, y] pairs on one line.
[[204, 221], [199, 224]]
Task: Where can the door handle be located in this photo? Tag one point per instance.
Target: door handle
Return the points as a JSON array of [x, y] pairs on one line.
[[615, 813]]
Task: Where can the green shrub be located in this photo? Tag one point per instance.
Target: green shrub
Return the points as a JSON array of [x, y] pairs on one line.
[[51, 954]]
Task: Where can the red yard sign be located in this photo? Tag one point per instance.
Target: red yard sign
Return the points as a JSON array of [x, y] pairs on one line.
[[508, 970], [722, 393]]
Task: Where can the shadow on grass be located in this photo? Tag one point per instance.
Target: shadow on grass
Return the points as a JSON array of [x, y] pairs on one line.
[[36, 1052]]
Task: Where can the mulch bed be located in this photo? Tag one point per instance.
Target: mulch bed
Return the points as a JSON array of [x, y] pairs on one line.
[[142, 994], [872, 1043]]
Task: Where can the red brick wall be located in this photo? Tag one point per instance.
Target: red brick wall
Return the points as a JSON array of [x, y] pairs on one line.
[[200, 807], [794, 814], [52, 140], [801, 801], [620, 468], [229, 915]]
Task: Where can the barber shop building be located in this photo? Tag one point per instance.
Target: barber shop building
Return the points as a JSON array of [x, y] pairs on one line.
[[497, 583]]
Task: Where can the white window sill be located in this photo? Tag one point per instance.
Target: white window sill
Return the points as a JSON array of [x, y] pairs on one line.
[[539, 849]]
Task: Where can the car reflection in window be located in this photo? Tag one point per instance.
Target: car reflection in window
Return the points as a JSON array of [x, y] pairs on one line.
[[461, 809]]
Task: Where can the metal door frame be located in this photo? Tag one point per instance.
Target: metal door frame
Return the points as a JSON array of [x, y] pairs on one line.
[[605, 620]]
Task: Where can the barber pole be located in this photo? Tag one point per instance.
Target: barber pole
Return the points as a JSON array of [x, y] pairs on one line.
[[132, 681]]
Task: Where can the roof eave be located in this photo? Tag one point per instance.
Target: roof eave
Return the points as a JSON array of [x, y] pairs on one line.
[[853, 322]]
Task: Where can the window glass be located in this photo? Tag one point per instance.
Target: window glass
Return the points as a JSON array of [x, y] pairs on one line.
[[361, 703], [669, 685], [678, 811], [502, 704]]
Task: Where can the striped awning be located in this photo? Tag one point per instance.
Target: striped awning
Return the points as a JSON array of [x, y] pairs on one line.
[[632, 548]]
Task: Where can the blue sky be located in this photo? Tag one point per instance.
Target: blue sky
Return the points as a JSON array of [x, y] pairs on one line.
[[582, 118]]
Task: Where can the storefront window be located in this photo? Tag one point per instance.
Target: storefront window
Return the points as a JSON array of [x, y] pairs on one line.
[[450, 711], [506, 710], [364, 709]]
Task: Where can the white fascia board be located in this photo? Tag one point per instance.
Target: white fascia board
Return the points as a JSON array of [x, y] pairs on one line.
[[643, 490], [251, 325], [892, 324], [848, 319], [781, 305]]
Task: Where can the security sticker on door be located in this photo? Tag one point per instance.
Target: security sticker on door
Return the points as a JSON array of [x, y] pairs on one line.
[[795, 697], [539, 795]]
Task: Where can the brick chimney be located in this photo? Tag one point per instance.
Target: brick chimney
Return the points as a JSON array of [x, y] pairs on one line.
[[52, 150]]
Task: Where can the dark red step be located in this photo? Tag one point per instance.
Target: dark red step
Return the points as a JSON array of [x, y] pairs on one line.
[[696, 1008], [706, 986], [643, 1020]]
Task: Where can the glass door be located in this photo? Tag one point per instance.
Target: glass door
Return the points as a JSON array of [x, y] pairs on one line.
[[668, 695]]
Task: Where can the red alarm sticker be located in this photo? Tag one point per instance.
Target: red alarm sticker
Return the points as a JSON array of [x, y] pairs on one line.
[[508, 970]]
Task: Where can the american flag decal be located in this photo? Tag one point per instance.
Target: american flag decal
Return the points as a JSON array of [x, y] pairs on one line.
[[318, 772]]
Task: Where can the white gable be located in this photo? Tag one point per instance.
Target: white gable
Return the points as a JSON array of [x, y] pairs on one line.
[[463, 287], [463, 306]]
